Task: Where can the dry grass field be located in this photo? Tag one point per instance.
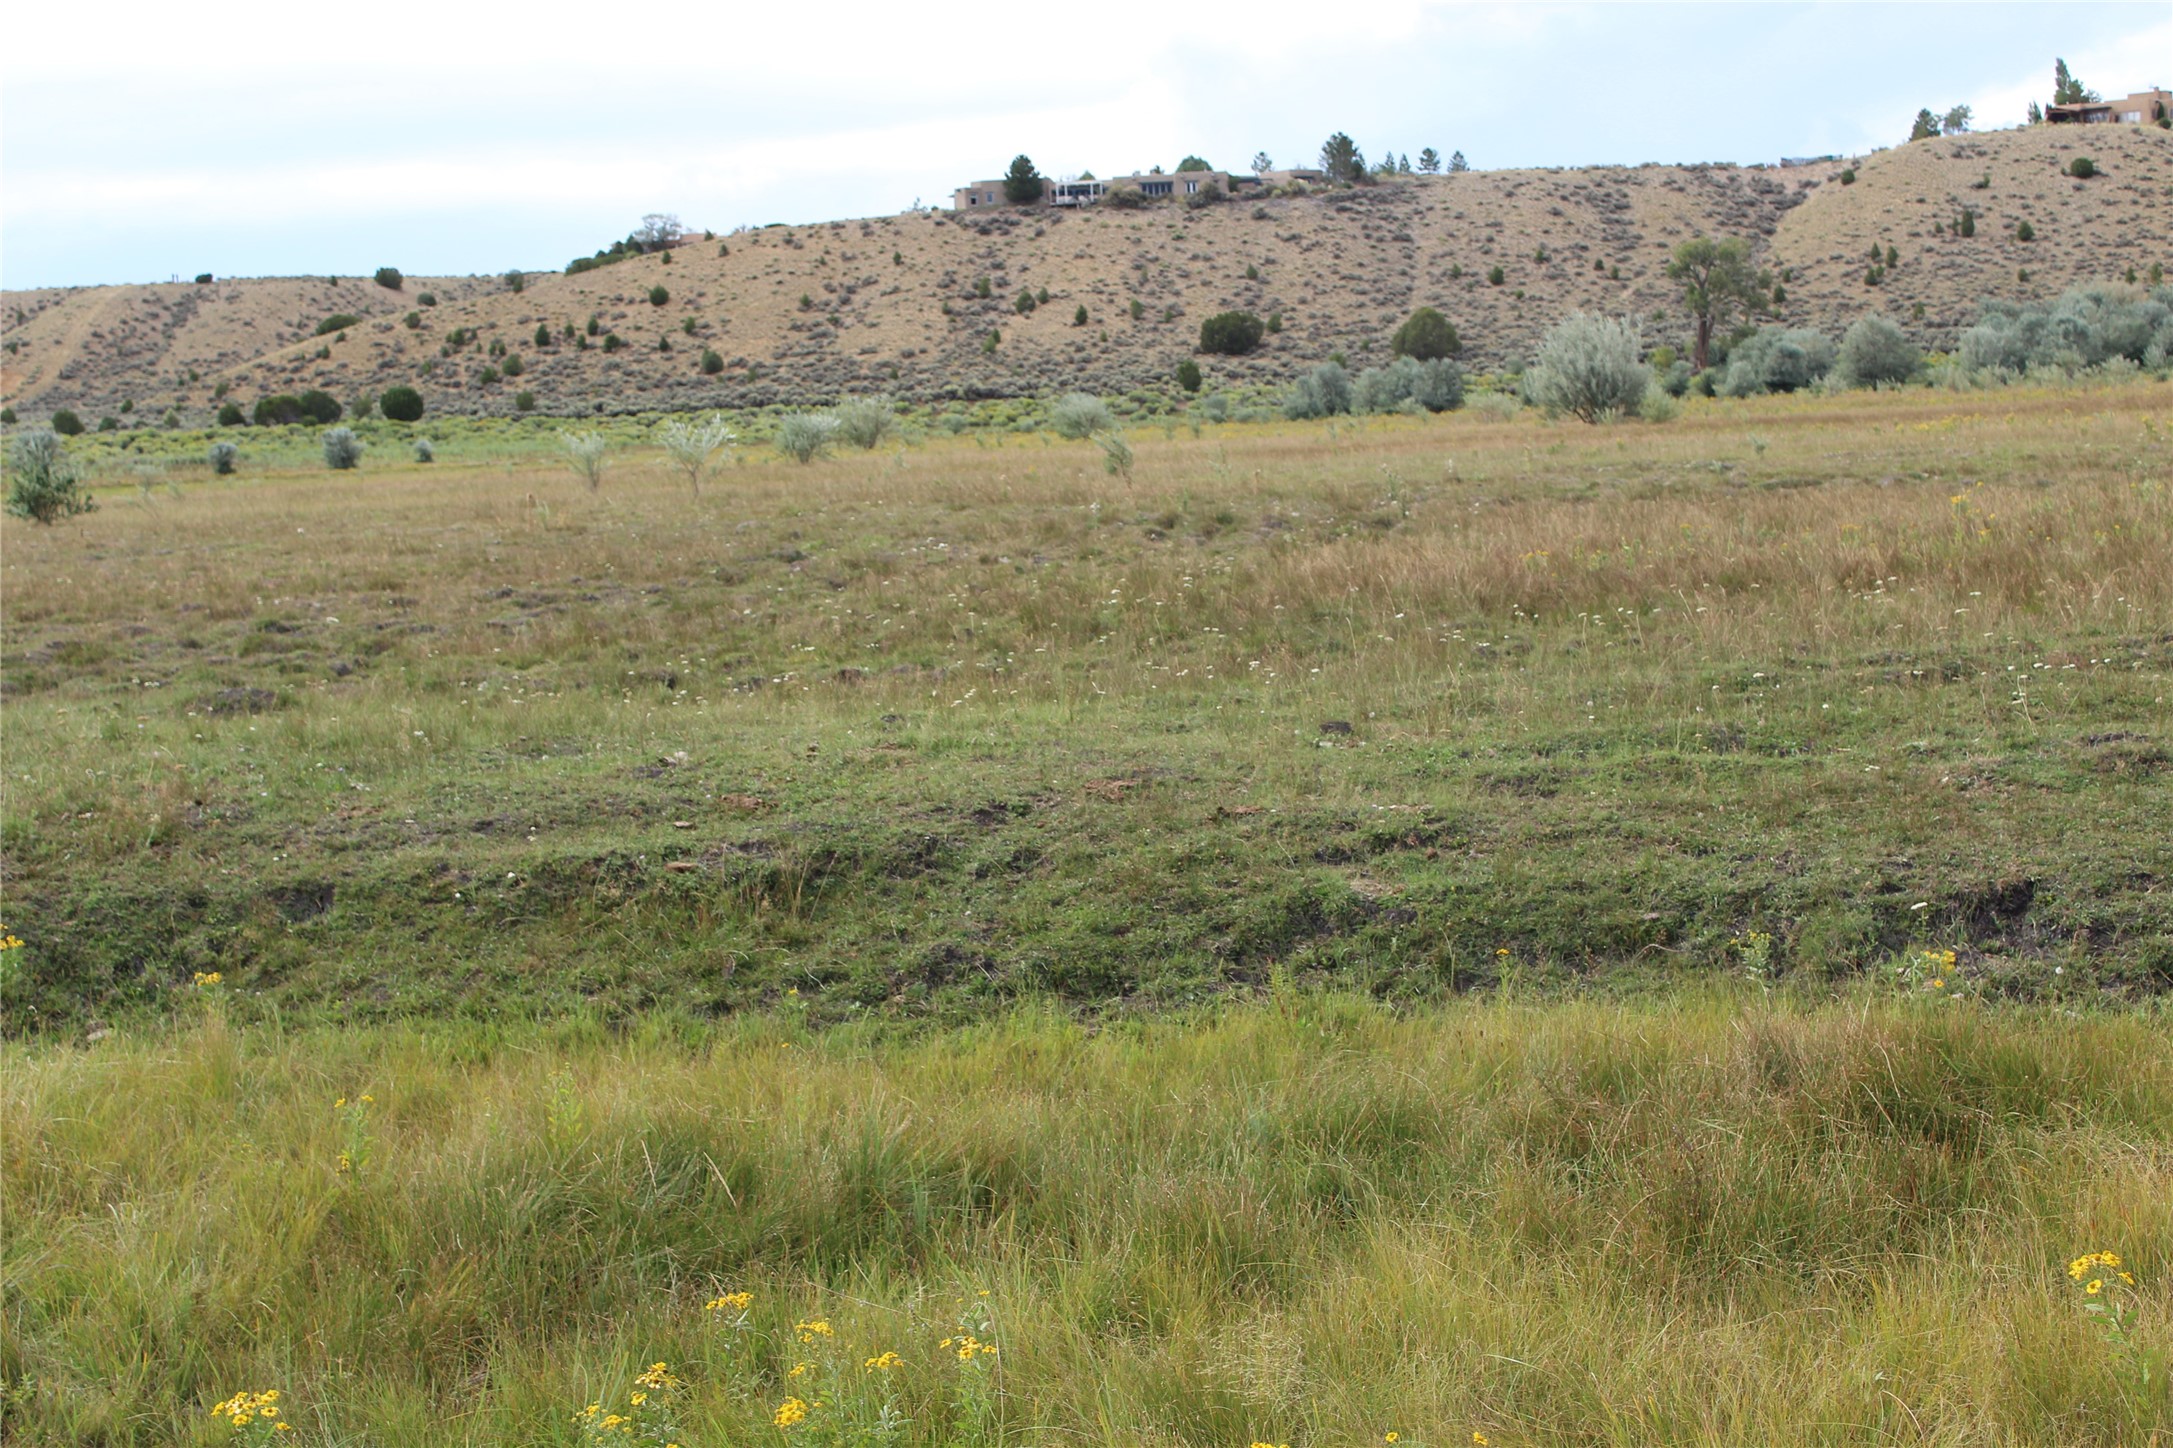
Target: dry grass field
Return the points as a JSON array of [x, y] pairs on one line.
[[800, 314]]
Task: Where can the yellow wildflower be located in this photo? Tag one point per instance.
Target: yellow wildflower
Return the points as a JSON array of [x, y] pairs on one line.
[[2094, 1286], [1478, 1437], [881, 1362], [809, 1331], [729, 1301], [789, 1412], [208, 978], [2080, 1267]]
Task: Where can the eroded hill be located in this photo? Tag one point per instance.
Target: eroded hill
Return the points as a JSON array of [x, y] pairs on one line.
[[909, 304]]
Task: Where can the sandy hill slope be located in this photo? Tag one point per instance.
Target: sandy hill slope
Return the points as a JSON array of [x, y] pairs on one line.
[[894, 305], [2085, 231]]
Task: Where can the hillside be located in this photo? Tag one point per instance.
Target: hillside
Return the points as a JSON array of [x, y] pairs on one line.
[[891, 304]]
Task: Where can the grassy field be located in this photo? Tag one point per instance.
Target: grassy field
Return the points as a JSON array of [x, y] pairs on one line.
[[1797, 687], [1463, 928], [1725, 1218]]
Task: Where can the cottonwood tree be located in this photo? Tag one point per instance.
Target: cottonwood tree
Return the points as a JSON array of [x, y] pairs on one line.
[[1719, 280], [1956, 121], [1429, 161], [658, 229]]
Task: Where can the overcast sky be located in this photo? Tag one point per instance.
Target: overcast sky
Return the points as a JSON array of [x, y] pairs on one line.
[[138, 142]]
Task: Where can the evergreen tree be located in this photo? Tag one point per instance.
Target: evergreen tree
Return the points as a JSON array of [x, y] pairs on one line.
[[1022, 183], [1341, 158], [1261, 164], [1429, 161], [1457, 162], [2068, 91], [1927, 126]]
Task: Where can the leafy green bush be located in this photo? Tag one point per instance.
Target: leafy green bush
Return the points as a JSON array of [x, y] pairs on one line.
[[222, 457], [319, 407], [712, 362], [1078, 415], [389, 278], [1589, 367], [42, 484], [2025, 232], [1231, 334], [342, 449], [1875, 351], [517, 280], [337, 322], [7, 417], [1777, 359], [1425, 336], [428, 299], [1079, 315], [230, 415], [658, 296], [401, 403], [805, 436], [1496, 277], [524, 401], [1188, 375], [1323, 392], [2082, 168], [66, 423], [513, 366], [277, 410]]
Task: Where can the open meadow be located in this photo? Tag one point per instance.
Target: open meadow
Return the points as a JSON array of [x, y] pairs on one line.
[[1469, 928]]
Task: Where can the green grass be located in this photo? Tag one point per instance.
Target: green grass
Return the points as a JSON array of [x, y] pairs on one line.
[[1412, 706], [1731, 1217]]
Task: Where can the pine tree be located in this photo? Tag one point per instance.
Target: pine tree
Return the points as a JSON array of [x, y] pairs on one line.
[[1429, 161], [1457, 161]]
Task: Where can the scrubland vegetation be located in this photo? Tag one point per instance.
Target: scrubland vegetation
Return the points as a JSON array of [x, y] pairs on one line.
[[1463, 925]]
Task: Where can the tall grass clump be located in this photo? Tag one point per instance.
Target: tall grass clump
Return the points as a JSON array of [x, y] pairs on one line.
[[1588, 366], [690, 445], [1875, 352], [1777, 359], [1721, 1217], [1079, 415], [42, 481], [864, 422], [342, 449], [1323, 392], [806, 436]]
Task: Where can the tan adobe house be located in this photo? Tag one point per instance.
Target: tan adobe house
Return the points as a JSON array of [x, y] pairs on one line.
[[1176, 185], [2143, 108]]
